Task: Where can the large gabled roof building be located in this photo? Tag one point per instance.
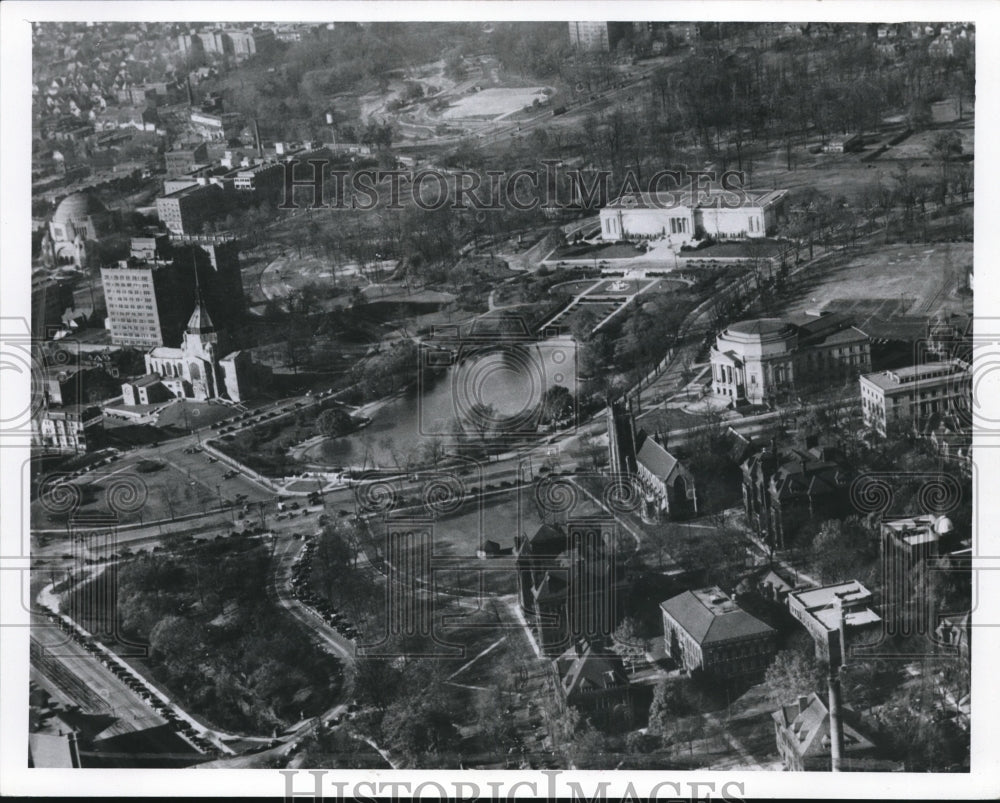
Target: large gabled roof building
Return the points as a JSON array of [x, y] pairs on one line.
[[706, 631]]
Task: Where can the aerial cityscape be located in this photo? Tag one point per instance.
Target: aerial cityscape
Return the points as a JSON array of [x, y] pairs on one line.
[[499, 396]]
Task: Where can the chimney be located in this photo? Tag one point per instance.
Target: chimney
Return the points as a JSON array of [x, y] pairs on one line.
[[803, 703], [190, 94]]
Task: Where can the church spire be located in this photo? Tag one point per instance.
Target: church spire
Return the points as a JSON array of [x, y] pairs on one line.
[[199, 323]]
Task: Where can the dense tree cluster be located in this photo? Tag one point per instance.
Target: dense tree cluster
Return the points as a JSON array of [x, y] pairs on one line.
[[226, 650]]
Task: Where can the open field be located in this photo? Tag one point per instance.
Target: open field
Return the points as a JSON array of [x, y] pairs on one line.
[[845, 174], [919, 145], [494, 103], [762, 247], [462, 533], [599, 251], [893, 282]]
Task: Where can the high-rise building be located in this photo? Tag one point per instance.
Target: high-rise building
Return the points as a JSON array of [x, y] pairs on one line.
[[148, 298], [589, 35], [598, 36]]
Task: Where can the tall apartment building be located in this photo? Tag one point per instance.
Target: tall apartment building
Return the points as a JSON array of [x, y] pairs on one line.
[[148, 300], [239, 43], [218, 261], [598, 36], [590, 35], [911, 396], [248, 43]]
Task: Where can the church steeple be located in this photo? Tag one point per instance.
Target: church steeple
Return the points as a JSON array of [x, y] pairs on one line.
[[199, 323]]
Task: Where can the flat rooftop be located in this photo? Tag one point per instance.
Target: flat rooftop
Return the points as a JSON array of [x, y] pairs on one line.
[[712, 198], [828, 617], [917, 375], [851, 591], [189, 190]]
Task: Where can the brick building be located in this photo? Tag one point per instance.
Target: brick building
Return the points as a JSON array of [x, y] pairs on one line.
[[827, 611], [706, 631], [909, 397], [567, 580], [786, 489], [802, 736], [72, 429]]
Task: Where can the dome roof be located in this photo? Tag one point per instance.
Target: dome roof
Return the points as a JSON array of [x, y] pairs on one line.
[[943, 526], [77, 206], [759, 326]]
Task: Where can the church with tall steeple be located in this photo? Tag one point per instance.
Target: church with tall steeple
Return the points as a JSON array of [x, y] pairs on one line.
[[197, 369]]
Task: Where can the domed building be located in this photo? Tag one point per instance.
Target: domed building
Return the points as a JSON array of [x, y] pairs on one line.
[[770, 360], [79, 219]]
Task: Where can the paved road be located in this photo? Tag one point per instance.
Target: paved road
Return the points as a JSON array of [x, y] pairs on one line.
[[286, 550], [59, 651]]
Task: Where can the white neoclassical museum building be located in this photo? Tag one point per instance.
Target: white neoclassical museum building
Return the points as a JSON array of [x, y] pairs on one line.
[[681, 216]]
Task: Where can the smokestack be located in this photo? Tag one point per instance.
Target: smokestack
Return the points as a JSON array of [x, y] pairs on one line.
[[256, 136], [836, 725], [189, 92]]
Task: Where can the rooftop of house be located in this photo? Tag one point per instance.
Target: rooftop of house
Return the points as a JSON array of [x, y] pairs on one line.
[[808, 474], [584, 669], [709, 615], [808, 723]]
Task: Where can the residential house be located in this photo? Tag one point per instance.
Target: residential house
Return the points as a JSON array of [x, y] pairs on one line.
[[802, 735]]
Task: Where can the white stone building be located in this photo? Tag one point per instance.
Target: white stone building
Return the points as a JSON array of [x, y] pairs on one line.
[[681, 216]]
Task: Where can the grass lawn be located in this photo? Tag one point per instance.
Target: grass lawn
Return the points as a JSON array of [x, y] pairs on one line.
[[121, 490], [499, 519], [907, 280], [190, 415], [762, 248], [599, 251]]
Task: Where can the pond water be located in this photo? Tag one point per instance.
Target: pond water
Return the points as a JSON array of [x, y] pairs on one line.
[[478, 389]]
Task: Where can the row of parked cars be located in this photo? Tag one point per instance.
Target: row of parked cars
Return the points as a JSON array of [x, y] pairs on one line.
[[132, 680], [319, 606], [243, 420]]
